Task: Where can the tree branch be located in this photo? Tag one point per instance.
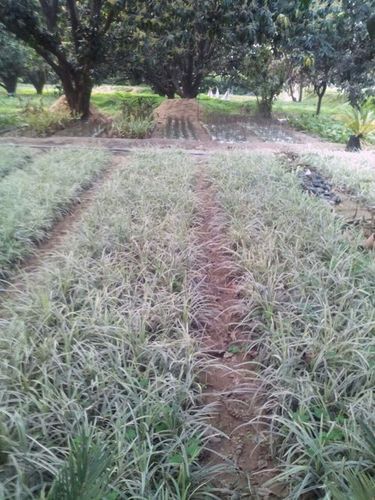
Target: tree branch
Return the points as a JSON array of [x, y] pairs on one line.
[[75, 22]]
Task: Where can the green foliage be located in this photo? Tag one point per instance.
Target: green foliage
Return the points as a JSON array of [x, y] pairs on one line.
[[361, 122], [211, 105], [139, 106], [264, 75], [43, 122], [135, 128], [12, 61], [136, 119], [323, 126], [85, 474], [177, 44], [75, 44]]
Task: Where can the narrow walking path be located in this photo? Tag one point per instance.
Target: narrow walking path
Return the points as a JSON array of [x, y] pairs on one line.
[[231, 383]]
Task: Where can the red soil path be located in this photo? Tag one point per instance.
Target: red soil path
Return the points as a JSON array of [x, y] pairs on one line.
[[231, 382]]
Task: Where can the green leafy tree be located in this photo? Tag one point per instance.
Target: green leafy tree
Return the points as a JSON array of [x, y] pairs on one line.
[[265, 66], [37, 71], [265, 75], [177, 44], [70, 35], [355, 66], [12, 61]]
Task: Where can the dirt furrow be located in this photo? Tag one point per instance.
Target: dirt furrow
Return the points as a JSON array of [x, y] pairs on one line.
[[231, 383], [58, 234]]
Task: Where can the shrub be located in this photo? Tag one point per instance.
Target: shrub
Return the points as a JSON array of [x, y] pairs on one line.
[[135, 128]]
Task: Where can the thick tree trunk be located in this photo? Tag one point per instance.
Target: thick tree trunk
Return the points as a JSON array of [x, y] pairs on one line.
[[265, 108], [38, 79], [189, 91], [77, 91], [10, 84], [354, 143]]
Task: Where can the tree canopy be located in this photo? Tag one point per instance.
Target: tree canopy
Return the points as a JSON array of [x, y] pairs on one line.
[[174, 45]]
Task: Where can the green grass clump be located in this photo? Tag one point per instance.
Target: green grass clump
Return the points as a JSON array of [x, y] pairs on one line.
[[324, 126], [310, 299], [136, 120], [31, 199], [100, 372], [42, 122], [12, 158]]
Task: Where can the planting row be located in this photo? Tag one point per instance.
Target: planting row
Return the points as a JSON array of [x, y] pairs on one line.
[[310, 302], [101, 393], [36, 191], [99, 369]]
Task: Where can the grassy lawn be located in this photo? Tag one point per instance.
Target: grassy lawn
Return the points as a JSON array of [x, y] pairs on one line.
[[100, 369], [34, 196], [308, 293]]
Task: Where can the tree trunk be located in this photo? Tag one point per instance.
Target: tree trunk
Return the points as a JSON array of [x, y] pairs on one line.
[[10, 84], [265, 109], [189, 91], [291, 91], [320, 91], [354, 143], [300, 94], [77, 90], [38, 79]]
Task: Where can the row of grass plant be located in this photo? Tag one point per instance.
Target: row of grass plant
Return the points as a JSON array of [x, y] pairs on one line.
[[99, 370], [310, 298], [356, 175], [12, 158], [32, 199]]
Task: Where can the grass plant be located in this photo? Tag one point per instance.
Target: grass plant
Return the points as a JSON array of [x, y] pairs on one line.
[[311, 310], [12, 158], [33, 198], [99, 368]]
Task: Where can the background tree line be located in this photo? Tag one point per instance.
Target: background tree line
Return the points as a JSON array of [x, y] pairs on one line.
[[175, 45]]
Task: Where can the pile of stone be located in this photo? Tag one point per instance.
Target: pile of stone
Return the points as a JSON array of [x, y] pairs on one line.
[[316, 185]]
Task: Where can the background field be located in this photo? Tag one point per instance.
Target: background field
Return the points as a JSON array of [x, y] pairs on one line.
[[25, 111]]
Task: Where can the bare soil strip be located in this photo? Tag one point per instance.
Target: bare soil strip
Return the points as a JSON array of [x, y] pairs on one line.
[[58, 234], [231, 383]]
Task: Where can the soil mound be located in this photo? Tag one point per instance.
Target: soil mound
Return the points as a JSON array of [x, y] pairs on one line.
[[179, 119], [97, 124]]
